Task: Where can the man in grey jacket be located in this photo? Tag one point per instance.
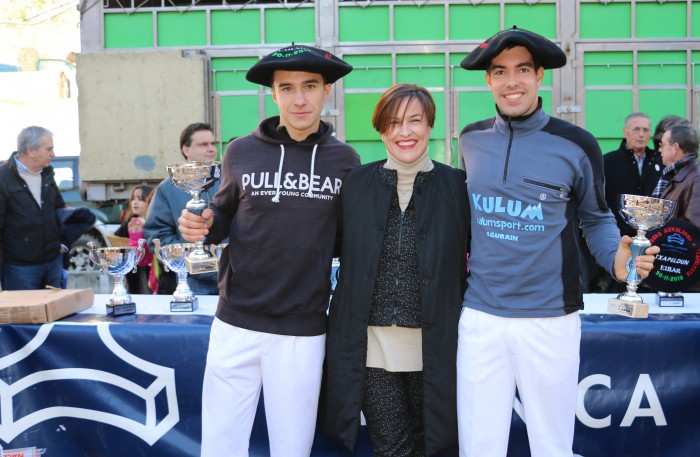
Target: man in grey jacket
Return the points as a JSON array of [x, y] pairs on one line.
[[532, 180]]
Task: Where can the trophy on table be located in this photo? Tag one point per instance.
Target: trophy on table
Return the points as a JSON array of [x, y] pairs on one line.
[[174, 257], [644, 214], [118, 261], [194, 177]]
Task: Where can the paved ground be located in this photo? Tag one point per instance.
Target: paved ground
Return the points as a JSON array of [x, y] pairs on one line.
[[101, 283]]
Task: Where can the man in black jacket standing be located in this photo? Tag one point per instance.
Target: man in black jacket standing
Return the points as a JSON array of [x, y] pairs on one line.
[[30, 239], [633, 168]]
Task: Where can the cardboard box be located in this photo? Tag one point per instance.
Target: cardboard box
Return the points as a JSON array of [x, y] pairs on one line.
[[41, 306]]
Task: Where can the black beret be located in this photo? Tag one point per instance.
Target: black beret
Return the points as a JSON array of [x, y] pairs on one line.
[[546, 53], [298, 58]]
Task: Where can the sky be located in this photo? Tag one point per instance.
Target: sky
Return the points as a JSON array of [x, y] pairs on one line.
[[32, 30]]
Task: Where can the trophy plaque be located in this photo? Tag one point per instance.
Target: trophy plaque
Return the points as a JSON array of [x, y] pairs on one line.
[[670, 299], [644, 214], [194, 177], [118, 261], [174, 257], [677, 265]]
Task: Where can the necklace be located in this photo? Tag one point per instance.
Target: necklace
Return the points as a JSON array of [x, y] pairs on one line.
[[404, 190]]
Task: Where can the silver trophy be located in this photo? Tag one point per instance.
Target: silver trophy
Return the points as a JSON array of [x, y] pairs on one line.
[[194, 177], [644, 214], [173, 256], [118, 261]]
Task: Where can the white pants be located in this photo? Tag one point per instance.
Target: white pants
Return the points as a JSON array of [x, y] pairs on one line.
[[538, 355], [239, 363]]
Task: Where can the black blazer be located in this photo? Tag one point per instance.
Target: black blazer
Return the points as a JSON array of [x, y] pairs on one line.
[[442, 224]]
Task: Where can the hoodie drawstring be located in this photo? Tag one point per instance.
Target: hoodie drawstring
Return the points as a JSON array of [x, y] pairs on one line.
[[278, 181], [311, 175]]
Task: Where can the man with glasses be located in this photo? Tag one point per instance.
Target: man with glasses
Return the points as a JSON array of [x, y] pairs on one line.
[[680, 180]]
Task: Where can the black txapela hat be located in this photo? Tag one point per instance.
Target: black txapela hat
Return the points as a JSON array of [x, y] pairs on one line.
[[298, 58], [548, 54]]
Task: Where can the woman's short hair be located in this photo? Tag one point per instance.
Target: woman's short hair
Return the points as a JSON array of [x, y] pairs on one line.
[[390, 102]]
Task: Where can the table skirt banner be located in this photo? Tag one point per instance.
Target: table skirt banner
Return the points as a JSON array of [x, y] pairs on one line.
[[98, 386]]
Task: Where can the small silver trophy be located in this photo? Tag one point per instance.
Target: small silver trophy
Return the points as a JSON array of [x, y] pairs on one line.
[[194, 177], [670, 299], [644, 214], [173, 257], [118, 261]]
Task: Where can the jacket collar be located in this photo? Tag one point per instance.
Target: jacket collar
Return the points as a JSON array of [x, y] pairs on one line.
[[648, 151], [46, 172], [522, 125], [270, 130], [685, 171]]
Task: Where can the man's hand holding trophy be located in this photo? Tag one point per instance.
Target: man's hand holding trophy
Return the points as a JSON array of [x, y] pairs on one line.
[[195, 177], [644, 214]]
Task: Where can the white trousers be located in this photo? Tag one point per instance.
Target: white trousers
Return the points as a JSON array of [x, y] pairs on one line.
[[538, 355], [239, 363]]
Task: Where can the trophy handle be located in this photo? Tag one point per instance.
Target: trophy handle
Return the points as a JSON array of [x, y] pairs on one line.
[[94, 258], [156, 245], [140, 253]]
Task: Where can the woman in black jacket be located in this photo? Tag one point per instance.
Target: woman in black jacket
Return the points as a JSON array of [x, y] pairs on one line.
[[392, 338]]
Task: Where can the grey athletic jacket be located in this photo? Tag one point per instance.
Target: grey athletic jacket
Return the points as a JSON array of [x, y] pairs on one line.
[[531, 181]]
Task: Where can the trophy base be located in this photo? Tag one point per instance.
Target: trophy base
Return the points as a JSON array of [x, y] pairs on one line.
[[627, 309], [184, 306], [121, 309], [199, 266], [670, 301]]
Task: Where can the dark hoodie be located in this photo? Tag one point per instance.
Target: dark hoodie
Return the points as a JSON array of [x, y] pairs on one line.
[[274, 276]]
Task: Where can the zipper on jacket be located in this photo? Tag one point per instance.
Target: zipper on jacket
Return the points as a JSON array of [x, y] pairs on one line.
[[560, 189], [510, 143]]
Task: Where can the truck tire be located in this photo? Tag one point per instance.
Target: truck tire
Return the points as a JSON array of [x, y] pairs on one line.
[[79, 253]]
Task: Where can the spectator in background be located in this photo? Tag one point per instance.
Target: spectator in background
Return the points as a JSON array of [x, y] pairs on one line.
[[633, 168], [30, 234], [197, 144], [664, 124], [139, 282], [680, 181]]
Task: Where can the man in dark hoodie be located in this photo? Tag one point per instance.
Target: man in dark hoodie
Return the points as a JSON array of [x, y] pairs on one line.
[[278, 204]]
